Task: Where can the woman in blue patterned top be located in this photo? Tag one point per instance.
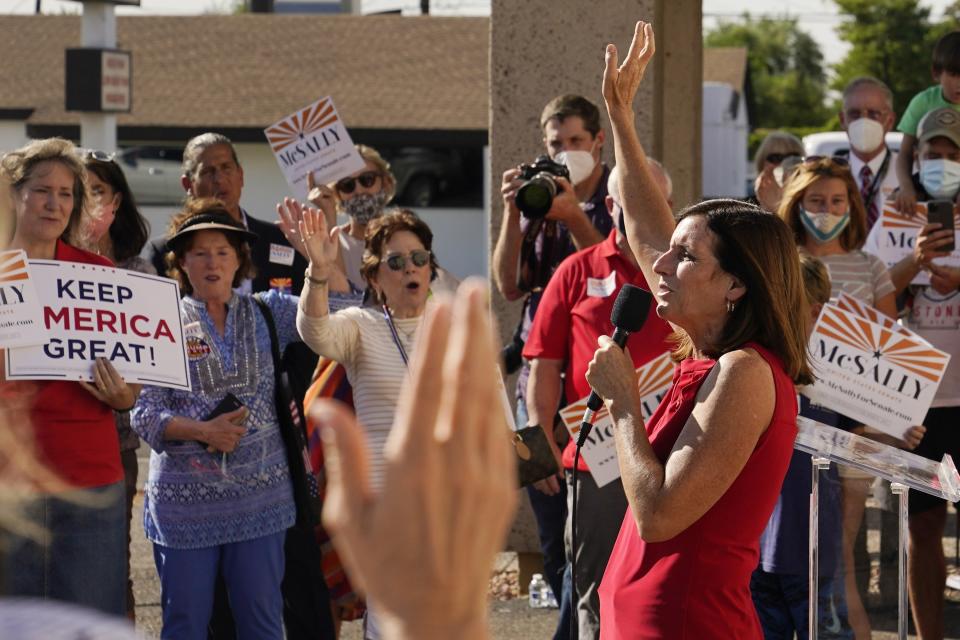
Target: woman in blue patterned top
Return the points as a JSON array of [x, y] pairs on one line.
[[219, 495]]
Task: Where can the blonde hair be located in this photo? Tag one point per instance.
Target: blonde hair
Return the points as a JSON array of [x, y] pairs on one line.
[[373, 156], [816, 279], [18, 167], [806, 174], [777, 142]]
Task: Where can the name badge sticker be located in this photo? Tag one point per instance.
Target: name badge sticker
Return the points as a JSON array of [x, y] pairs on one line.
[[280, 254], [602, 287]]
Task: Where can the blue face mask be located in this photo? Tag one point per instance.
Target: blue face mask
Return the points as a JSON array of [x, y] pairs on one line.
[[824, 227]]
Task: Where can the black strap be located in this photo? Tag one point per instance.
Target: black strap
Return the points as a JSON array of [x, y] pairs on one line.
[[396, 335], [274, 339]]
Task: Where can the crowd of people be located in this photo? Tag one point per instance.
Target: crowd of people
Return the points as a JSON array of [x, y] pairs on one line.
[[703, 535]]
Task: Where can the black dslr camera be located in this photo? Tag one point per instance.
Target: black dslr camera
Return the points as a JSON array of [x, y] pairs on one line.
[[535, 195]]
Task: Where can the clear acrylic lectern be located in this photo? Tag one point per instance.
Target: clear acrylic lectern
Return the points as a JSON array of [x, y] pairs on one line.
[[903, 469]]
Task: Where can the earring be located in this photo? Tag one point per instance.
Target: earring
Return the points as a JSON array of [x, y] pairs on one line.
[[731, 305]]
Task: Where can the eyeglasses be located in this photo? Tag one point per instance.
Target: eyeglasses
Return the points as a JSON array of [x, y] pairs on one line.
[[366, 180], [397, 262], [838, 160], [777, 158], [96, 154]]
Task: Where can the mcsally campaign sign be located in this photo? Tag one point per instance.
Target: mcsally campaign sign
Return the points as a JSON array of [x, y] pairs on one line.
[[872, 369], [313, 139], [893, 236], [21, 317], [90, 312], [600, 450]]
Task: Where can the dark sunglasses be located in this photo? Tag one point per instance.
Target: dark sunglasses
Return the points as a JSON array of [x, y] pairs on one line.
[[419, 258], [837, 160], [777, 158], [366, 180]]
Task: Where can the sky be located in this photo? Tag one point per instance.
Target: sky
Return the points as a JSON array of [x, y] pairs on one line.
[[817, 17]]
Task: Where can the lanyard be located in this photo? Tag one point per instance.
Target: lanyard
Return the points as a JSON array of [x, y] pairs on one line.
[[877, 179], [396, 336]]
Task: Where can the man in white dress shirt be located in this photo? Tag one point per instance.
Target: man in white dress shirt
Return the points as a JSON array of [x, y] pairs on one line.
[[867, 117]]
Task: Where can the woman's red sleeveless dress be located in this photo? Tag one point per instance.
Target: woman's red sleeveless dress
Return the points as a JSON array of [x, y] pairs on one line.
[[696, 585]]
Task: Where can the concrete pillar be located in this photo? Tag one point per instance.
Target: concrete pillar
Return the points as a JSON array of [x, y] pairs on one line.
[[98, 29], [542, 48]]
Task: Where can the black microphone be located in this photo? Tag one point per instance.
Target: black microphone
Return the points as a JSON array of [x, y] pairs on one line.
[[630, 311]]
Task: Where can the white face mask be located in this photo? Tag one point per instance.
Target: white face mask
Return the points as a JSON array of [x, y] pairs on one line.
[[579, 163], [824, 227], [865, 135], [940, 178]]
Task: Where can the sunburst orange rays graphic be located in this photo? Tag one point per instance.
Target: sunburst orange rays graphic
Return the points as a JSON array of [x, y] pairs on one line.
[[848, 303], [13, 267], [893, 219], [313, 118], [651, 377], [913, 355]]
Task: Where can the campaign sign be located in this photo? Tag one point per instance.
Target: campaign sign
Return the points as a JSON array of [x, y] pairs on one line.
[[858, 308], [313, 139], [600, 450], [89, 312], [886, 379], [21, 318], [893, 235]]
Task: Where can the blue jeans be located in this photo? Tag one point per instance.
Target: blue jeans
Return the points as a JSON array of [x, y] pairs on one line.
[[252, 570], [84, 560], [782, 602], [551, 515]]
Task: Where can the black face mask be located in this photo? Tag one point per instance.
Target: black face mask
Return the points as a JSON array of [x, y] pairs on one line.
[[621, 225]]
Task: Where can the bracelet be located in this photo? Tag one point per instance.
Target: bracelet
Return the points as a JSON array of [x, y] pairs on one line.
[[128, 409], [314, 281]]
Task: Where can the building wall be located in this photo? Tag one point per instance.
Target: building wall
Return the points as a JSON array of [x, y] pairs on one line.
[[540, 49], [13, 134]]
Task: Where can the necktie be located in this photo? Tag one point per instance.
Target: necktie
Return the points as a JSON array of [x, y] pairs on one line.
[[869, 202]]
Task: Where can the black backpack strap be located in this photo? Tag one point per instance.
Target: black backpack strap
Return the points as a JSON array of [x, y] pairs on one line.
[[274, 339]]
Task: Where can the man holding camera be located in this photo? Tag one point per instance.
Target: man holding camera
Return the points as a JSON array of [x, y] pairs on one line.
[[529, 248]]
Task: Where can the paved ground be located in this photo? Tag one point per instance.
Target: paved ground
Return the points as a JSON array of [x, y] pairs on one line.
[[510, 619]]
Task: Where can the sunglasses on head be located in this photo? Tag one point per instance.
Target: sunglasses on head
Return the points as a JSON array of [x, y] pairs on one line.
[[366, 180], [397, 262], [96, 154]]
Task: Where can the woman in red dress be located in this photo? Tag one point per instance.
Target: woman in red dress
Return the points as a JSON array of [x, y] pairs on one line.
[[703, 476]]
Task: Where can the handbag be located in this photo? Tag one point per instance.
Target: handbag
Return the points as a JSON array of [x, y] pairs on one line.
[[535, 460]]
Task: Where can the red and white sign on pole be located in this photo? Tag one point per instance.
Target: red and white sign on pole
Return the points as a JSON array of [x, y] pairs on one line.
[[115, 80]]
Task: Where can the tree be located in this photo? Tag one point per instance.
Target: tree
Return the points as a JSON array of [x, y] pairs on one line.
[[788, 83], [889, 39]]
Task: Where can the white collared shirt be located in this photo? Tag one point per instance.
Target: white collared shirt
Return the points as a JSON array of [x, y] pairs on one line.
[[889, 183]]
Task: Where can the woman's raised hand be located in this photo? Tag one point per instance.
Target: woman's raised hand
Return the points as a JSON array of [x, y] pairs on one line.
[[306, 229], [422, 548], [620, 83]]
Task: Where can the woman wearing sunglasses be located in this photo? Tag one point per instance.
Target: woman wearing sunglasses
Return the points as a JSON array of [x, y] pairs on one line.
[[372, 342], [822, 205], [775, 148], [117, 230], [362, 196]]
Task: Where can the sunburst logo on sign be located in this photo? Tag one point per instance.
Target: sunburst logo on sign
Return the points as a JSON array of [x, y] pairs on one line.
[[301, 124], [848, 303], [652, 377], [910, 354], [893, 219], [13, 266]]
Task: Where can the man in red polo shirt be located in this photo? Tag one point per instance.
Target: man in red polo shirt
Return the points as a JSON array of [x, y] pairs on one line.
[[573, 313]]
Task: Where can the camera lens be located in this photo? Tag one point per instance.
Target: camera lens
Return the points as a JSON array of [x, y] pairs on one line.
[[535, 197]]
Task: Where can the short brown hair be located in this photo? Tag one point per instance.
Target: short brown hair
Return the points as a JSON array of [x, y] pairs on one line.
[[569, 105], [751, 245], [807, 173], [192, 208], [379, 232], [197, 145], [19, 165]]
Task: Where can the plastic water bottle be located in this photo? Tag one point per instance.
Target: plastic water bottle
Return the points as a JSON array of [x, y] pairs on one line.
[[548, 599], [536, 590]]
